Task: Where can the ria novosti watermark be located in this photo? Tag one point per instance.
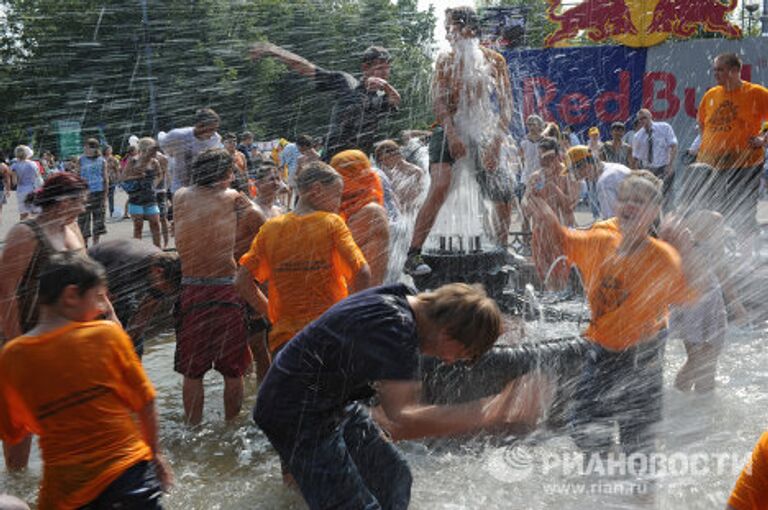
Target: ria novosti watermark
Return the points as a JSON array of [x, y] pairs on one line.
[[519, 462]]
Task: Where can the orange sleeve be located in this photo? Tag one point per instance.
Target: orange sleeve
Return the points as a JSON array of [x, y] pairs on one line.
[[702, 115], [134, 386], [762, 103], [12, 428], [579, 246], [751, 490], [254, 259], [350, 255]]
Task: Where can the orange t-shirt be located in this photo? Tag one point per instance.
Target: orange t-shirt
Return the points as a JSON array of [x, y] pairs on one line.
[[629, 295], [751, 490], [77, 388], [727, 120], [308, 261]]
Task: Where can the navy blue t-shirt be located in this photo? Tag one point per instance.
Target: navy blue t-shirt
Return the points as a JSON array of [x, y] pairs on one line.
[[368, 337]]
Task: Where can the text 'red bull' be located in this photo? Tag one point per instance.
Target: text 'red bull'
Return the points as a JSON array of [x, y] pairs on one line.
[[660, 95]]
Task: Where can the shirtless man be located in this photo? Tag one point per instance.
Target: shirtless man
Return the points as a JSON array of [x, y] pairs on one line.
[[211, 330], [463, 106]]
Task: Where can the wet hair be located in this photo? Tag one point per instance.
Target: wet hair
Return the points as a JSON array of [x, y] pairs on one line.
[[534, 118], [170, 263], [94, 144], [65, 269], [466, 17], [549, 143], [246, 134], [206, 117], [20, 152], [374, 54], [317, 173], [229, 136], [649, 182], [266, 169], [466, 313], [106, 148], [211, 167], [385, 146], [57, 187], [305, 141], [552, 131], [731, 60], [145, 144]]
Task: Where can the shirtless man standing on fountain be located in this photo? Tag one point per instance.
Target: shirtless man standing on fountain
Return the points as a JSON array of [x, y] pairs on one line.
[[472, 100]]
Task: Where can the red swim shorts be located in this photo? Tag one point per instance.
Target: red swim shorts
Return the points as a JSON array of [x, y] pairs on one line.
[[210, 332]]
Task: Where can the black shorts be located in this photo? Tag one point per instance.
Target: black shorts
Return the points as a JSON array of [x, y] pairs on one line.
[[496, 185], [137, 487]]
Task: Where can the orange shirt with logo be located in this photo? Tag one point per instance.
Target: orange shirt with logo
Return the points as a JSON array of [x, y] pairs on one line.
[[628, 295], [727, 121], [751, 490], [78, 388], [308, 261]]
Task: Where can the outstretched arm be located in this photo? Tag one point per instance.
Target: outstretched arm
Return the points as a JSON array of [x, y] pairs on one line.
[[299, 64]]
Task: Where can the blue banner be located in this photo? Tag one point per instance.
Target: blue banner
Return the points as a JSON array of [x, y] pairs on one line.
[[580, 87]]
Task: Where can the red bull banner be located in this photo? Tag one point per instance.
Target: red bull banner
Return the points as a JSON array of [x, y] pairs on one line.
[[638, 23], [597, 85], [580, 87]]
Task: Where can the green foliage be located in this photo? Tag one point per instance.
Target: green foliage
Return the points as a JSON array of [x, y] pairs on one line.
[[85, 60]]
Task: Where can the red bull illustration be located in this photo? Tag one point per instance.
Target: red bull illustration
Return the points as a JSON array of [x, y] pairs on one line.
[[682, 17], [600, 19], [639, 23]]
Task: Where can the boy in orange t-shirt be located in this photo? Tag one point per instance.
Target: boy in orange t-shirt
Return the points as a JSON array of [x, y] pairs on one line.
[[307, 257], [751, 490], [630, 280], [78, 384]]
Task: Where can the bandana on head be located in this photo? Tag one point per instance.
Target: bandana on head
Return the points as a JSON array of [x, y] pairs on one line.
[[361, 184]]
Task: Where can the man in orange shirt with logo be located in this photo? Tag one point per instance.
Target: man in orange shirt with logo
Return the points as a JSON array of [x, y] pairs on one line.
[[630, 280], [307, 257], [78, 384], [730, 119]]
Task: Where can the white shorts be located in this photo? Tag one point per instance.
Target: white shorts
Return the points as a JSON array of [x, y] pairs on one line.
[[701, 322]]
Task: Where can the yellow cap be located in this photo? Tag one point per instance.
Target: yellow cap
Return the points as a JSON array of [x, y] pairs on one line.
[[578, 153], [765, 126], [593, 131]]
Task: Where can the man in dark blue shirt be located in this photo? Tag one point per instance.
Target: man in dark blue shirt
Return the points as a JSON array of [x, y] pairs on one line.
[[359, 104], [370, 344]]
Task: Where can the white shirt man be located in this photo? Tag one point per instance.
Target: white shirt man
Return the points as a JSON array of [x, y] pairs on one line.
[[608, 187], [654, 145]]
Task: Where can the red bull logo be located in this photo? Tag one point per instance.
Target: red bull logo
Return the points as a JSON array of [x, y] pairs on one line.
[[639, 23], [682, 18]]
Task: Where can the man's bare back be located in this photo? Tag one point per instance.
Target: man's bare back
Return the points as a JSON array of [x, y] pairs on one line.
[[206, 229]]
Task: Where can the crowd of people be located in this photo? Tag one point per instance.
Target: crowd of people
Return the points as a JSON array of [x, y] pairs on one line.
[[282, 266]]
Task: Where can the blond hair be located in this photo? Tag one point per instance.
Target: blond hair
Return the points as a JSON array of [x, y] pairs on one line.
[[646, 181], [466, 313]]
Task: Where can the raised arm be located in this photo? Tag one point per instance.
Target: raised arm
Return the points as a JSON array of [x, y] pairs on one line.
[[298, 63]]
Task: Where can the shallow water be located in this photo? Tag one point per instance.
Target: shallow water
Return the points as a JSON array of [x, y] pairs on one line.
[[233, 467]]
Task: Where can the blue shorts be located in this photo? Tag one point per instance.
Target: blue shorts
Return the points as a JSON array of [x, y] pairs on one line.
[[143, 210]]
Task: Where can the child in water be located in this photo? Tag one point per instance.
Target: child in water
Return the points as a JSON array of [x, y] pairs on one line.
[[77, 383]]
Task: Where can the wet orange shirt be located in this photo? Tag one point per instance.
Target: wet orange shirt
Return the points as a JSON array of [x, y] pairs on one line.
[[77, 388], [727, 120], [629, 295], [751, 491], [308, 262]]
